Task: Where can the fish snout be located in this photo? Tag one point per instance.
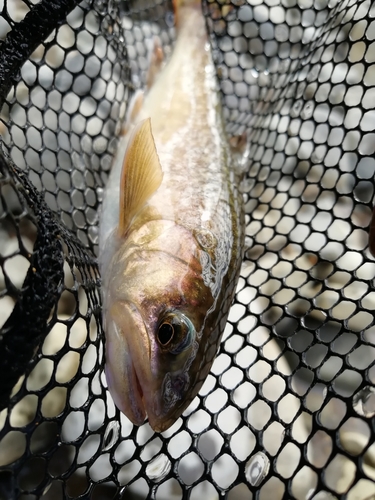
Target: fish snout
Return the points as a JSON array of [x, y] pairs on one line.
[[128, 364]]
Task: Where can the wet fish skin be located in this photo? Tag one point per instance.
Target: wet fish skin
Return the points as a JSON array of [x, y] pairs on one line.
[[177, 261], [372, 234]]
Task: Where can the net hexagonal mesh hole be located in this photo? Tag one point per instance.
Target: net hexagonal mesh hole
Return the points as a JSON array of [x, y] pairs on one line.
[[288, 408]]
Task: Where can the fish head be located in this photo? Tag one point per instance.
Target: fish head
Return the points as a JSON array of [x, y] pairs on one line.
[[157, 325]]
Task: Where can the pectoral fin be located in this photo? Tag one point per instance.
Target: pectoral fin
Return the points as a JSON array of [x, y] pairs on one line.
[[141, 174]]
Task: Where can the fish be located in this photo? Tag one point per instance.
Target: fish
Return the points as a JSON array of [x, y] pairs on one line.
[[171, 232], [371, 235]]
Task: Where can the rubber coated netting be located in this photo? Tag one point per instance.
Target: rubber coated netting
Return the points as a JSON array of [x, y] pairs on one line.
[[287, 411]]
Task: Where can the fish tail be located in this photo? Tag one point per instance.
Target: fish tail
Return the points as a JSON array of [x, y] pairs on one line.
[[179, 5]]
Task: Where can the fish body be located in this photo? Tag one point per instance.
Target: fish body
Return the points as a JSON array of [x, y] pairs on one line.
[[372, 234], [171, 235]]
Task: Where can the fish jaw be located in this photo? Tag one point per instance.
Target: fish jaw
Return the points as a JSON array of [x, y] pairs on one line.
[[128, 379]]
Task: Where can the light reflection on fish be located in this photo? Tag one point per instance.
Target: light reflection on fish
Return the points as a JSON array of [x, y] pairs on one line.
[[171, 233]]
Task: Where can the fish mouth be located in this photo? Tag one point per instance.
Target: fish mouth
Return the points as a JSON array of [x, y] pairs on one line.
[[139, 387], [134, 406], [142, 402], [128, 360]]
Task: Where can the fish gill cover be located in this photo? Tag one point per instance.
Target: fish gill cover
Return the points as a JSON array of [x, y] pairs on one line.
[[288, 408]]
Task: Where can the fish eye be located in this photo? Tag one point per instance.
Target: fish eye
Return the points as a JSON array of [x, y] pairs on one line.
[[165, 333], [175, 332]]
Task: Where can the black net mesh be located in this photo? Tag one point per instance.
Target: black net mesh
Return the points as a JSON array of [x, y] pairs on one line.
[[288, 408]]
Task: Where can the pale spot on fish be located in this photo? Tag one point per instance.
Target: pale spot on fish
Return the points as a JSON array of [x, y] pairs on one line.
[[206, 215]]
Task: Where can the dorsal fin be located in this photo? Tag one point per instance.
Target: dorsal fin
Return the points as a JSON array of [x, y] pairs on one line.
[[141, 174]]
